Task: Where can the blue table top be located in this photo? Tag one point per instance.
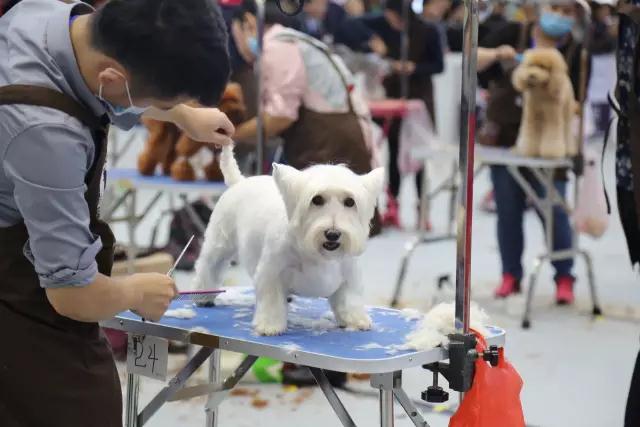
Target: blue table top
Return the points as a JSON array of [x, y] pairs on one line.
[[312, 337], [161, 181]]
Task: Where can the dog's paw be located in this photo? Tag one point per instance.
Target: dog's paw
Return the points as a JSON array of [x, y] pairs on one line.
[[356, 319], [269, 328]]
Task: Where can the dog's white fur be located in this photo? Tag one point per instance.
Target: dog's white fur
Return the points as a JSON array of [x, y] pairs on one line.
[[271, 225], [548, 106], [439, 322]]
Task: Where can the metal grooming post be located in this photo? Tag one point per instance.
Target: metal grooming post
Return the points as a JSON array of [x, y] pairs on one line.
[[257, 69], [467, 144]]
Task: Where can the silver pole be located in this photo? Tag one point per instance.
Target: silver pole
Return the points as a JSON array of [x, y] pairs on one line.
[[213, 413], [404, 49], [386, 408], [258, 74], [133, 391], [467, 143], [582, 98]]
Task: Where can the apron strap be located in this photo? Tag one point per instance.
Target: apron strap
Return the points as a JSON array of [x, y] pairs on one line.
[[290, 36], [46, 97]]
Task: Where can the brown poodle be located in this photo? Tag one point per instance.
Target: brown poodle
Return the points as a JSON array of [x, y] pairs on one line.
[[172, 149], [548, 105]]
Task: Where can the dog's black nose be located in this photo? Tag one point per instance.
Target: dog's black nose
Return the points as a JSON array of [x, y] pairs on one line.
[[332, 235]]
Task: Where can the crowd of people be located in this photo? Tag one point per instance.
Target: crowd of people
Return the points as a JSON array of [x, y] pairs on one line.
[[307, 89]]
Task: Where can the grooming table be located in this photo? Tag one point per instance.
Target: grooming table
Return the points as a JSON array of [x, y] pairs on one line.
[[543, 170], [129, 182], [312, 339]]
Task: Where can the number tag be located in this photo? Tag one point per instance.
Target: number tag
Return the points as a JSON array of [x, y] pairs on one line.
[[147, 356]]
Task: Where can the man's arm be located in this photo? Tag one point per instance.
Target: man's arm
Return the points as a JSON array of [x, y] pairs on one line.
[[47, 164], [148, 294], [199, 123]]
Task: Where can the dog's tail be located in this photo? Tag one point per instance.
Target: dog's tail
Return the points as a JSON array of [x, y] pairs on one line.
[[229, 166]]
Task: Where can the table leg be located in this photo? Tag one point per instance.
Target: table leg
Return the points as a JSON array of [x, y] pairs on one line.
[[537, 265], [133, 392], [386, 384], [214, 378], [131, 229], [386, 408]]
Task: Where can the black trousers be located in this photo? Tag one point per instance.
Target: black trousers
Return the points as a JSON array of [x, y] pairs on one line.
[[394, 171], [632, 415]]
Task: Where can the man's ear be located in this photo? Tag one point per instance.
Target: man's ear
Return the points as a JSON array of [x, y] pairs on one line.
[[289, 182], [374, 182], [111, 81]]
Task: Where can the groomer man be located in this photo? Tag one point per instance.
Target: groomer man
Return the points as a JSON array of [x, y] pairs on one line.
[[67, 71]]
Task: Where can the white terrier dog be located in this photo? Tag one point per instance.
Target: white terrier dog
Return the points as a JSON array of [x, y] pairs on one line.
[[297, 232]]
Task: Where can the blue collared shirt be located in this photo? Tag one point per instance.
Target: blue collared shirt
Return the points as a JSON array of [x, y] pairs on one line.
[[44, 153]]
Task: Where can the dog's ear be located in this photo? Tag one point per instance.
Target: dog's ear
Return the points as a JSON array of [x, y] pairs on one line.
[[374, 182], [289, 182]]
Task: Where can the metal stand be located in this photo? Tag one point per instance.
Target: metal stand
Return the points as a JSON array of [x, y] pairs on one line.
[[133, 393], [390, 386], [214, 378], [423, 237], [545, 206], [332, 397]]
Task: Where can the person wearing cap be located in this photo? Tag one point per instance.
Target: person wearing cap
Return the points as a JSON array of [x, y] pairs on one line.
[[67, 71], [382, 33], [553, 29]]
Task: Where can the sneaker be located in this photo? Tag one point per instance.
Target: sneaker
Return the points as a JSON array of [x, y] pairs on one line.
[[510, 285], [564, 290], [391, 217]]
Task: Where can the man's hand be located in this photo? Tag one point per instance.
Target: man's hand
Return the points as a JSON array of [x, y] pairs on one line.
[[377, 45], [154, 292], [199, 123], [505, 52], [400, 67], [205, 125]]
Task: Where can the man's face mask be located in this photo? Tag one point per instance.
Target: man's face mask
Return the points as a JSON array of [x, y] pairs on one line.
[[118, 110], [555, 25], [252, 44]]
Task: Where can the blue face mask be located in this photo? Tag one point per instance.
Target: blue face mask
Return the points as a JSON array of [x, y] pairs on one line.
[[117, 110], [252, 43], [555, 25]]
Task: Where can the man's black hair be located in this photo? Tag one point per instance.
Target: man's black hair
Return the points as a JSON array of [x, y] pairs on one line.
[[172, 48]]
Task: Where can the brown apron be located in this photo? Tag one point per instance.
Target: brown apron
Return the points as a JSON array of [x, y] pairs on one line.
[[317, 138], [54, 371], [336, 138]]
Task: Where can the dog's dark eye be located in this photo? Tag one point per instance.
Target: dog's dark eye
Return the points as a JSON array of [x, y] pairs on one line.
[[349, 202], [318, 200]]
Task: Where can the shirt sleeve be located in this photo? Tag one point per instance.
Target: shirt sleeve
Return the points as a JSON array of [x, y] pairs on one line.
[[284, 79], [47, 165]]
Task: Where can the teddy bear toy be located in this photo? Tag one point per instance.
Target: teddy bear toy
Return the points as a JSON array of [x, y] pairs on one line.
[[548, 105], [170, 148]]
